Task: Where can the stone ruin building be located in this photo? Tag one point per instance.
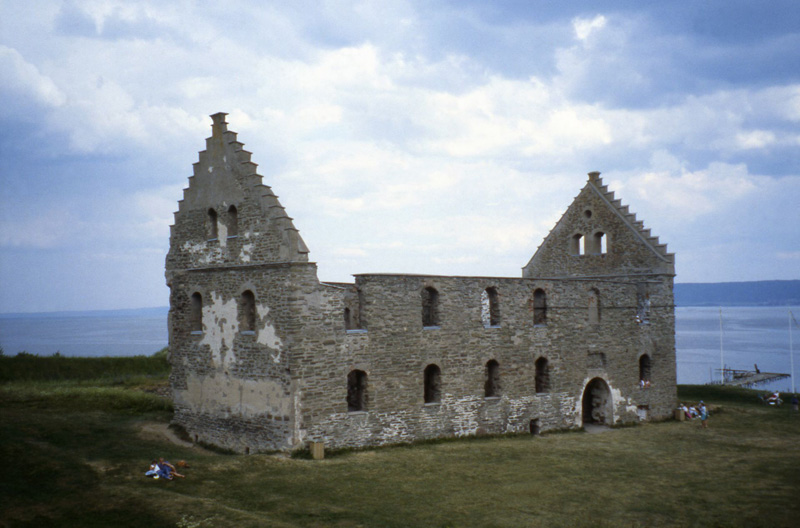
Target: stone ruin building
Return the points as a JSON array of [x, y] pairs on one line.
[[266, 357]]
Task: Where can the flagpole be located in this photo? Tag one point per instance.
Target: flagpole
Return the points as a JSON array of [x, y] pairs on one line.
[[791, 348], [721, 353]]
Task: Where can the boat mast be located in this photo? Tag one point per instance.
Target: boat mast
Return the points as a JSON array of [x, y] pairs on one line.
[[791, 348], [721, 353]]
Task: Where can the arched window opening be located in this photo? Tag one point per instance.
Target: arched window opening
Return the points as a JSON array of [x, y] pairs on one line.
[[600, 242], [357, 391], [212, 224], [492, 383], [490, 307], [644, 370], [539, 307], [433, 384], [233, 221], [577, 244], [430, 307], [594, 306], [196, 313], [542, 375], [348, 323], [247, 312]]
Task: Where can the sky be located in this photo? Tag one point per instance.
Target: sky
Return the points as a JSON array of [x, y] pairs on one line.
[[431, 136]]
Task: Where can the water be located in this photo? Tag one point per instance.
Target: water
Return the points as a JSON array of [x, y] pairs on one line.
[[750, 335], [129, 333]]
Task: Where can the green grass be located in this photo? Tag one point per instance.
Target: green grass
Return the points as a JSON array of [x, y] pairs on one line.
[[28, 367], [73, 460]]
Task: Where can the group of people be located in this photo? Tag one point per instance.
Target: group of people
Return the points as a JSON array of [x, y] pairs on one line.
[[161, 469], [698, 411]]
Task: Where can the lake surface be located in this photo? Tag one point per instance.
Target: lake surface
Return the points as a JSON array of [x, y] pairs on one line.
[[750, 335]]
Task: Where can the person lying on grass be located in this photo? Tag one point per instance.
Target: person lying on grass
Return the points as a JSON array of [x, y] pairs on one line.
[[168, 470], [162, 469]]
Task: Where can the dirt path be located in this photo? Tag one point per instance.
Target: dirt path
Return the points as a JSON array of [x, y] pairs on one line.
[[162, 430]]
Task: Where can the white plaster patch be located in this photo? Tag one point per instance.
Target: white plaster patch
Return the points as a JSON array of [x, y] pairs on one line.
[[246, 252], [266, 334], [223, 395], [211, 169], [223, 234], [203, 253], [619, 401], [219, 327]]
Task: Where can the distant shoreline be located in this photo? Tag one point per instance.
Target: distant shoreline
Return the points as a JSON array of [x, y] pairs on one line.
[[703, 294]]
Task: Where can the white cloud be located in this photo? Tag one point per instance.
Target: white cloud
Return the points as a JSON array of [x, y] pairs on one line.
[[584, 27], [24, 81], [755, 139], [689, 194], [390, 133]]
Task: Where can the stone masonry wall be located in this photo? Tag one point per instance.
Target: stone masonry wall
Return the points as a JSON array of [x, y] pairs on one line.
[[262, 352], [395, 350]]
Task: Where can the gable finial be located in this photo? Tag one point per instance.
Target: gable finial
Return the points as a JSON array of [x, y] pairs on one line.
[[219, 124], [594, 176]]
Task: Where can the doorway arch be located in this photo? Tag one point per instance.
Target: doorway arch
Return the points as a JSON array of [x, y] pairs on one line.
[[598, 406]]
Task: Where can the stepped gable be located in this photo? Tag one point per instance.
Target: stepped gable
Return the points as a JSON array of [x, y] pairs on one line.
[[596, 184], [251, 224], [631, 246]]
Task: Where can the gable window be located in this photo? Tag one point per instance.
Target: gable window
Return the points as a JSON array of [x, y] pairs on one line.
[[247, 312], [430, 307], [196, 313], [490, 307], [433, 384], [356, 391], [577, 244], [600, 241], [542, 375], [233, 221], [212, 224], [593, 306], [539, 307], [491, 387]]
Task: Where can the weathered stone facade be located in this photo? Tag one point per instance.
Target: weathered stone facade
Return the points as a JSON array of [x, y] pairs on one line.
[[265, 356]]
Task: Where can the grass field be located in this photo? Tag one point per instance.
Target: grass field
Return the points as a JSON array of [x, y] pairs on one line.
[[74, 452]]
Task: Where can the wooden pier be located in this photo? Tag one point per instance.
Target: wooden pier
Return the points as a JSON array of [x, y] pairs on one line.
[[749, 378]]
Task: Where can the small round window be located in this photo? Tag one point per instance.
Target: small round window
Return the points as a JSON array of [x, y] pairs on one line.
[[587, 213]]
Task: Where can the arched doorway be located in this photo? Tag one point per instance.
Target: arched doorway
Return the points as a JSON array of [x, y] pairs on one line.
[[597, 405]]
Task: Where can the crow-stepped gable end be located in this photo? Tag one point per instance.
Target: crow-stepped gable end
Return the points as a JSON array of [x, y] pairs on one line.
[[264, 356]]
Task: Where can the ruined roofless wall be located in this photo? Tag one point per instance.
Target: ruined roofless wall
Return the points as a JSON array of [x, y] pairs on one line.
[[264, 356], [395, 350]]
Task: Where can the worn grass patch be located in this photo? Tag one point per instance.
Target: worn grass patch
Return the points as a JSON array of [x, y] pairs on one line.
[[83, 465]]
